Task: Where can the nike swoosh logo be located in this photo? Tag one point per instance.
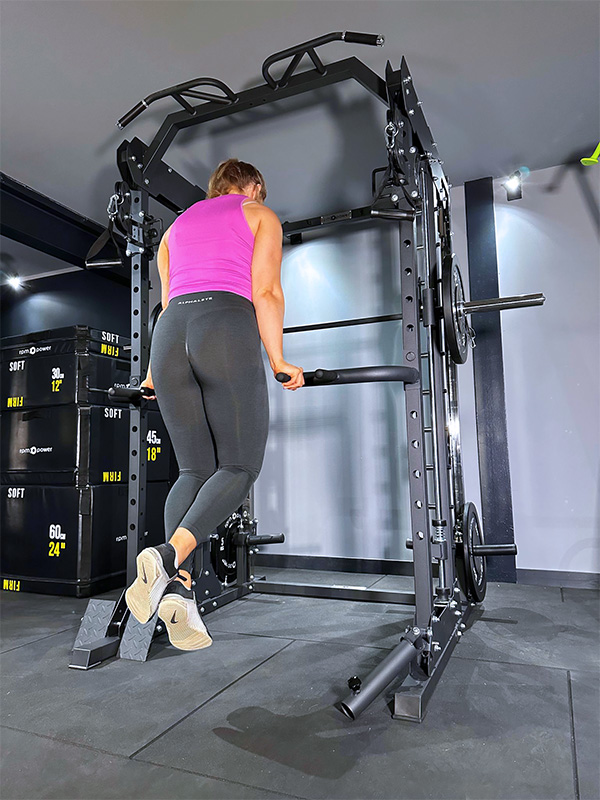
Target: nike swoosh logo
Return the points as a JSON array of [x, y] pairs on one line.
[[173, 620], [144, 578]]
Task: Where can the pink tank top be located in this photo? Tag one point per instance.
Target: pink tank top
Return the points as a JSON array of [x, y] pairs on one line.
[[210, 248]]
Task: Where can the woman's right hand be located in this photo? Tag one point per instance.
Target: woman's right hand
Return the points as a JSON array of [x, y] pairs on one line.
[[296, 374]]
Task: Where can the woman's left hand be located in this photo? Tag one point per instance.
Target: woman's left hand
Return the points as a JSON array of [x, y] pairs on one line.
[[147, 384]]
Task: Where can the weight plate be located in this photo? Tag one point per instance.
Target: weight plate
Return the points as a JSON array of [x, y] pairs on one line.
[[471, 569], [154, 314], [456, 327], [223, 554]]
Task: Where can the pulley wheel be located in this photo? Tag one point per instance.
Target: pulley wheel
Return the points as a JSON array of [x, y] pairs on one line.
[[223, 554], [470, 568], [456, 326]]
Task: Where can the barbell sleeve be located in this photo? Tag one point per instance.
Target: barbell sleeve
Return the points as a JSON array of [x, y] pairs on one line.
[[504, 303], [494, 549], [273, 538]]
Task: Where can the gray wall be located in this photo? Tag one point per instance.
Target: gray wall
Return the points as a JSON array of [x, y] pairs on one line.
[[548, 242], [71, 298]]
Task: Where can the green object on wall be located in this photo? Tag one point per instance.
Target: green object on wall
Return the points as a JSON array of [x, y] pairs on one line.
[[593, 158]]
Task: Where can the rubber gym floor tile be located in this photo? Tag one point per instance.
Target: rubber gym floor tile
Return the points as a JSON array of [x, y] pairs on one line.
[[36, 767], [317, 577], [119, 705], [26, 617], [585, 688], [395, 583], [588, 599], [491, 731], [314, 619], [532, 625]]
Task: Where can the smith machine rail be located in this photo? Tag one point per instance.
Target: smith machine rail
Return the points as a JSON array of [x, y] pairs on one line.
[[437, 336]]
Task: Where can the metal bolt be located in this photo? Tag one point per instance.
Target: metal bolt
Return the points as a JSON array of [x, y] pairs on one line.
[[206, 572], [411, 111], [394, 198], [215, 604], [462, 626], [133, 158], [435, 619], [458, 613], [169, 169], [127, 252], [429, 631], [407, 80], [202, 610], [146, 181], [414, 194], [436, 647], [428, 154], [453, 604], [473, 605], [420, 534], [457, 590], [434, 144], [207, 592], [193, 583], [401, 151], [140, 166], [250, 587], [413, 150], [419, 102], [251, 577], [458, 634], [416, 631]]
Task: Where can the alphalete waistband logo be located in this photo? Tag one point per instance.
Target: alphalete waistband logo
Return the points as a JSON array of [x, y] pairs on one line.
[[198, 300], [32, 451], [33, 350]]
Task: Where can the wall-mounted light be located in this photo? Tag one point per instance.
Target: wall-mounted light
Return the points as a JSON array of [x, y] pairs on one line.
[[513, 184]]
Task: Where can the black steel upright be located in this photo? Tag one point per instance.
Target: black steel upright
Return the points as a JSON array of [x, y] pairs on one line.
[[138, 425]]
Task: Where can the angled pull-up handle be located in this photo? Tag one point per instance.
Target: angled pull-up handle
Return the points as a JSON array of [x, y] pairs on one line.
[[308, 48], [322, 377], [178, 92]]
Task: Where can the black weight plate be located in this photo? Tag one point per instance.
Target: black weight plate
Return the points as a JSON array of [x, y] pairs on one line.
[[471, 569], [455, 320], [223, 554], [154, 314]]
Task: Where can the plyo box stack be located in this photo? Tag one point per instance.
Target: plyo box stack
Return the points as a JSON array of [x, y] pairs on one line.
[[64, 462]]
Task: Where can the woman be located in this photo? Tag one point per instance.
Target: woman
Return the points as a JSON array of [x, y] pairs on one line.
[[220, 269]]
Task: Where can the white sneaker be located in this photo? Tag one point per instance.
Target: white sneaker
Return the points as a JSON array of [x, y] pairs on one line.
[[178, 609], [155, 568]]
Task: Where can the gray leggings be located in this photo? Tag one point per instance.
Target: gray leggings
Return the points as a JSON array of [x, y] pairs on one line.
[[211, 389]]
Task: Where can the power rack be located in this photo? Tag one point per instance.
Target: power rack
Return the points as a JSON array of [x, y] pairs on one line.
[[447, 542]]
